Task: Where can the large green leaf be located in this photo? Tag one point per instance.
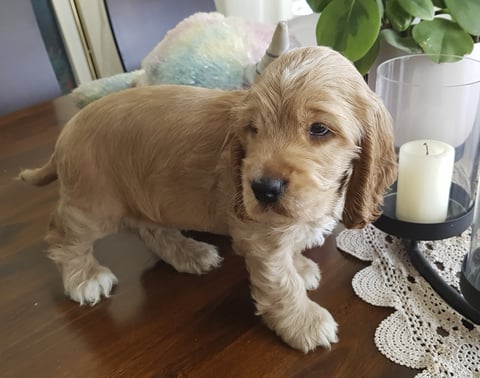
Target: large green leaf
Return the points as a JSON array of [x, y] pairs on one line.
[[439, 4], [466, 13], [406, 44], [381, 8], [397, 16], [318, 5], [418, 8], [349, 26], [363, 64], [442, 36]]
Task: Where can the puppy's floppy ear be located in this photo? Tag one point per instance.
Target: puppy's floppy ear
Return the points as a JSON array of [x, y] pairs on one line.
[[237, 154], [375, 169], [239, 117]]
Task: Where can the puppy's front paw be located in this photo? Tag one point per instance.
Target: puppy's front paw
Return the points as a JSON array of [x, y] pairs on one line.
[[310, 328], [90, 290], [308, 270], [198, 258]]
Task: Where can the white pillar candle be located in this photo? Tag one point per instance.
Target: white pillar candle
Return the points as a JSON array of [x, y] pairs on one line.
[[425, 169]]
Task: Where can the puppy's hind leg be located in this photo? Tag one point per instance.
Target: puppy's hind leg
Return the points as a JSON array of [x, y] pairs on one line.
[[183, 253], [70, 238]]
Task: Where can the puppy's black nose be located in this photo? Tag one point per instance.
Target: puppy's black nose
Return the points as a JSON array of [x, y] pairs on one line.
[[267, 190]]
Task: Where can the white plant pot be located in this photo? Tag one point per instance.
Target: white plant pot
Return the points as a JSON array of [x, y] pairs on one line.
[[266, 11], [387, 52], [429, 100], [302, 28]]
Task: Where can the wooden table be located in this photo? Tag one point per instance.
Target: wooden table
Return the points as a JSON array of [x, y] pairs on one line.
[[159, 322]]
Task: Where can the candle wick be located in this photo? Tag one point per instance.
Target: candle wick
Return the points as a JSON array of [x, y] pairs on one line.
[[426, 147]]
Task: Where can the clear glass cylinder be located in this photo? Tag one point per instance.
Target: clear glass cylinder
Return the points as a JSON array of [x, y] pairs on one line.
[[470, 275], [435, 110]]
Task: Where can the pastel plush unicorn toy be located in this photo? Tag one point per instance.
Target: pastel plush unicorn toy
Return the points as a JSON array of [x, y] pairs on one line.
[[204, 50]]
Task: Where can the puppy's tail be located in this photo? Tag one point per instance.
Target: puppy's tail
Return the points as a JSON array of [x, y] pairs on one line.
[[40, 176]]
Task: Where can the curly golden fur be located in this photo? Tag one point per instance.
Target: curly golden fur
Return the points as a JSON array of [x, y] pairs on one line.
[[275, 166]]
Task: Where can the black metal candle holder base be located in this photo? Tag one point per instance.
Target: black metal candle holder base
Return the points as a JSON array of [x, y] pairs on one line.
[[449, 294], [459, 218], [411, 233], [471, 293]]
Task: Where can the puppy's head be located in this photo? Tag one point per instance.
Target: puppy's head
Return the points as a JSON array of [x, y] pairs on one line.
[[315, 142]]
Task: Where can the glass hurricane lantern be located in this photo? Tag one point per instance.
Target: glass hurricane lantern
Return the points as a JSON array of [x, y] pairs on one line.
[[436, 115]]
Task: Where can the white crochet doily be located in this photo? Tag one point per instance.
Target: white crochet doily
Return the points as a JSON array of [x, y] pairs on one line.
[[424, 332]]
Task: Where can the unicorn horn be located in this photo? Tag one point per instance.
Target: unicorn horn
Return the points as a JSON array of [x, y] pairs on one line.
[[277, 47]]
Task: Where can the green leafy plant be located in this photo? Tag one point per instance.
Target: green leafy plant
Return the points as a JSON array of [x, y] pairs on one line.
[[356, 27]]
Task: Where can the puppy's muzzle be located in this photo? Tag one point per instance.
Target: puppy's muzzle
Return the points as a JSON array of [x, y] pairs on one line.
[[267, 190]]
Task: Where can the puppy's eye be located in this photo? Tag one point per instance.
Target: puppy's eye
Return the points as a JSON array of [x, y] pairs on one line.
[[252, 129], [318, 129]]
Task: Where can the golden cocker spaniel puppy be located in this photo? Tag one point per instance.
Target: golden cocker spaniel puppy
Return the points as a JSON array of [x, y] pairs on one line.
[[275, 166]]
